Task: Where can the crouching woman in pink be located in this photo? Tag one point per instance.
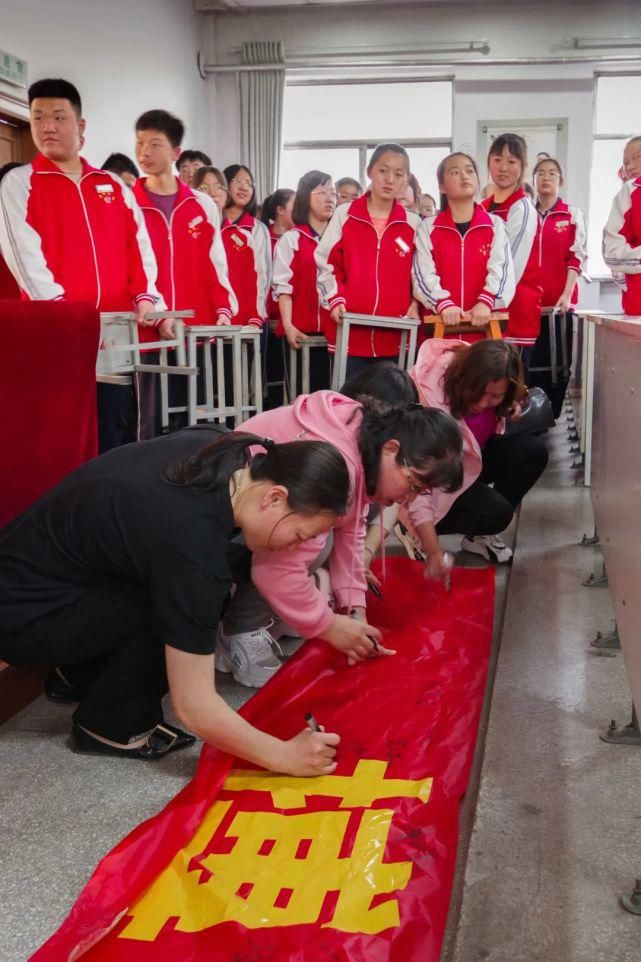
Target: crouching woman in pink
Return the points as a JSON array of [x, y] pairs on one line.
[[480, 385]]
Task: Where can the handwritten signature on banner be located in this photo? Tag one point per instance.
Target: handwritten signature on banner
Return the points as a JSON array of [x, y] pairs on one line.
[[277, 868]]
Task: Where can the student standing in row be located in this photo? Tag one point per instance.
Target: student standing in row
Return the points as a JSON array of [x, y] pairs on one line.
[[507, 163], [123, 166], [622, 234], [184, 226], [365, 260], [247, 246], [276, 215], [294, 278], [463, 265], [211, 181], [347, 190], [189, 162], [563, 254], [71, 232]]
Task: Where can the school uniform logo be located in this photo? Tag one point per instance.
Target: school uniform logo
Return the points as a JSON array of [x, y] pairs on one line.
[[561, 225], [106, 193], [402, 247], [484, 249], [238, 240], [194, 226]]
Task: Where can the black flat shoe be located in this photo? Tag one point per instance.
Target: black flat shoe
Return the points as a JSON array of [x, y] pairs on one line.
[[160, 741], [58, 690]]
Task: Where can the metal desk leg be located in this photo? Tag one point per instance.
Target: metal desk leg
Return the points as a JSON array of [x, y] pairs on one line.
[[340, 356], [208, 375], [402, 357], [553, 356], [258, 376], [192, 386], [563, 325], [411, 354], [164, 392], [237, 368], [220, 377], [293, 374], [305, 357]]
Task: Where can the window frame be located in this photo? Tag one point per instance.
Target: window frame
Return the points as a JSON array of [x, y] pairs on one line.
[[365, 145]]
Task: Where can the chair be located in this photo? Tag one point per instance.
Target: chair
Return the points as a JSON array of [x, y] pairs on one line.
[[493, 329], [310, 343], [406, 326], [247, 387]]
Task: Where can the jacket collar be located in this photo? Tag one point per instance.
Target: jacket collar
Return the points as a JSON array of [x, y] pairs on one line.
[[307, 231], [358, 208], [142, 196], [518, 194], [42, 165], [559, 207], [245, 220], [479, 217]]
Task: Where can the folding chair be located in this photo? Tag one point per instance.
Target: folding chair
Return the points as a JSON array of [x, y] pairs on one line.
[[493, 329], [312, 342], [247, 386], [406, 326]]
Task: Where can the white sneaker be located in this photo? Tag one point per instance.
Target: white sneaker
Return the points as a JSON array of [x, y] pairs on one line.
[[249, 656], [411, 544], [489, 546]]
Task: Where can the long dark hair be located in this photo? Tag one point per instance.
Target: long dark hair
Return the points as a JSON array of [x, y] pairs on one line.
[[230, 172], [314, 472], [269, 207], [383, 384], [430, 443], [473, 367]]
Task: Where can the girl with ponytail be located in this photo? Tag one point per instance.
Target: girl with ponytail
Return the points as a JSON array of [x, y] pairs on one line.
[[393, 453], [118, 577]]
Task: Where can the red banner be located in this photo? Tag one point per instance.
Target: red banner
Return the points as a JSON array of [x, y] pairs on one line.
[[247, 866]]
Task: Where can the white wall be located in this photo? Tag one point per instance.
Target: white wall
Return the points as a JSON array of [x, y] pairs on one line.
[[125, 56]]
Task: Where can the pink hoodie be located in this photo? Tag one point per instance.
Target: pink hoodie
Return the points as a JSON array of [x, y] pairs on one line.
[[281, 576], [428, 372]]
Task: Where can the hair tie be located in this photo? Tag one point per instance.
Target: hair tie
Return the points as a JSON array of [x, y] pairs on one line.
[[414, 406], [268, 444]]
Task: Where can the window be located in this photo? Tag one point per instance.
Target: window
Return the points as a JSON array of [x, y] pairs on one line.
[[614, 94], [335, 126]]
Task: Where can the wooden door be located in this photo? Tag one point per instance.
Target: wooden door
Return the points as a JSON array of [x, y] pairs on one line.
[[16, 145]]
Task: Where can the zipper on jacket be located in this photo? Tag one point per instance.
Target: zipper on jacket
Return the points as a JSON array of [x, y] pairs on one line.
[[93, 246]]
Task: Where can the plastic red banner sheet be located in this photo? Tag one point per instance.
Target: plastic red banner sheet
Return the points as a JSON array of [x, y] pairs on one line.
[[247, 866]]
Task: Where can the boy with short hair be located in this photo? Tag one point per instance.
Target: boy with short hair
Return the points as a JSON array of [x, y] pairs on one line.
[[184, 226], [347, 190], [189, 162], [69, 231]]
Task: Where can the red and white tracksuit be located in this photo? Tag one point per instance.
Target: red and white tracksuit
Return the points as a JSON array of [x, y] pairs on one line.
[[84, 241], [562, 246], [249, 259], [192, 266], [522, 223], [272, 300], [451, 270], [295, 274], [622, 243], [367, 273]]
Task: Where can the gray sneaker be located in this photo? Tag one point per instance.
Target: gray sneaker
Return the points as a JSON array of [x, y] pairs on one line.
[[249, 656]]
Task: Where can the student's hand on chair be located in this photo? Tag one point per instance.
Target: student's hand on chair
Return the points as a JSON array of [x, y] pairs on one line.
[[144, 308], [337, 313], [167, 330], [414, 310], [310, 753], [294, 337], [479, 315], [451, 316], [223, 320], [355, 639], [563, 305]]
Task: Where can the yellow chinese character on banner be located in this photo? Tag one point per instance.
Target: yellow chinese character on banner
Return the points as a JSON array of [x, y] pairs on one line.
[[279, 868]]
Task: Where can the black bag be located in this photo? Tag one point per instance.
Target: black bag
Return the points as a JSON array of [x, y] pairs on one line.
[[537, 415]]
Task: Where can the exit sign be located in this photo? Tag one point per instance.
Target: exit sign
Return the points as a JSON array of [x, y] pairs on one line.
[[12, 69]]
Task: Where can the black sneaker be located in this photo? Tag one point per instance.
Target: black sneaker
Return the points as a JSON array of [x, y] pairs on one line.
[[59, 690]]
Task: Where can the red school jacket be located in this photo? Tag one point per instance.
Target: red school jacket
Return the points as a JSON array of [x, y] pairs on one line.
[[248, 249], [368, 274], [84, 241], [562, 241], [622, 243], [272, 301], [295, 274], [192, 267], [522, 223], [454, 271]]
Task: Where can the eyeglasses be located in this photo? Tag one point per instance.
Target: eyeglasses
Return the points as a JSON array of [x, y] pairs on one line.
[[216, 189], [242, 183], [415, 484], [325, 192]]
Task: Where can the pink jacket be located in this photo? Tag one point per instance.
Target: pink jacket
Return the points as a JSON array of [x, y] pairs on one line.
[[428, 372], [282, 576]]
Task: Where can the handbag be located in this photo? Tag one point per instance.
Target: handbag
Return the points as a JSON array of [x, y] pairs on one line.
[[536, 416]]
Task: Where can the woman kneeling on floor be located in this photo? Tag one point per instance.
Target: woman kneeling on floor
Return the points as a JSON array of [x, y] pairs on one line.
[[481, 385], [119, 576]]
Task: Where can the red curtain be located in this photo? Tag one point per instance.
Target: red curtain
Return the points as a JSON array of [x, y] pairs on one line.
[[47, 397], [355, 866]]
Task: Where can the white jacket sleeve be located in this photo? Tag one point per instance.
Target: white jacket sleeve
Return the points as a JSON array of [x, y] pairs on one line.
[[283, 257], [262, 246], [426, 282], [618, 253], [578, 253], [21, 245], [329, 261], [500, 281], [522, 223]]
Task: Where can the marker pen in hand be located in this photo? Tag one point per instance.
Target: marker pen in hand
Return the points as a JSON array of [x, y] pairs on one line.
[[353, 614], [312, 724]]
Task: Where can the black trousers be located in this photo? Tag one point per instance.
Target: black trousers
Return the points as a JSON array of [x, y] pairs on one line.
[[513, 465], [541, 358], [116, 416], [105, 646]]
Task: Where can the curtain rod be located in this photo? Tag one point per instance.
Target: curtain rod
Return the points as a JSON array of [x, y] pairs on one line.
[[206, 69]]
